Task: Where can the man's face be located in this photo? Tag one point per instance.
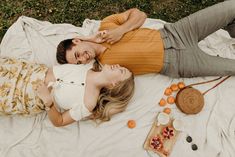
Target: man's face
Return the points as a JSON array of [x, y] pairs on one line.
[[80, 53]]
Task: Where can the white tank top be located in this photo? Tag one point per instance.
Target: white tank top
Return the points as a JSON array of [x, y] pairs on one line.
[[69, 88]]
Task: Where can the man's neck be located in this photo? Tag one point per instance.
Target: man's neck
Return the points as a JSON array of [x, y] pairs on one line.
[[99, 48]]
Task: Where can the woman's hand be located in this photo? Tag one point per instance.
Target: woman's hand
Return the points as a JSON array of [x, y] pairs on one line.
[[44, 94]]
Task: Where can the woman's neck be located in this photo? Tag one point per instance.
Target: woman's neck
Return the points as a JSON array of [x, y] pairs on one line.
[[96, 79], [92, 90]]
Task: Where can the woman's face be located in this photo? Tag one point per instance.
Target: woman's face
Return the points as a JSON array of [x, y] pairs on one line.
[[115, 73]]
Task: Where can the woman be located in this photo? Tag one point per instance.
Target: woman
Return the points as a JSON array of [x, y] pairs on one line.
[[28, 88]]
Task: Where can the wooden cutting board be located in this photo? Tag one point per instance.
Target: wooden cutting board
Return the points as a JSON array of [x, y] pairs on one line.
[[167, 144]]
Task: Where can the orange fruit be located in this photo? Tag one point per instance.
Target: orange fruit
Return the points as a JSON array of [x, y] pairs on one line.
[[181, 85], [174, 87], [162, 102], [167, 110], [168, 91], [170, 100], [131, 124]]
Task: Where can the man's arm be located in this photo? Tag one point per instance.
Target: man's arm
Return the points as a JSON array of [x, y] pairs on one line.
[[126, 21], [134, 18]]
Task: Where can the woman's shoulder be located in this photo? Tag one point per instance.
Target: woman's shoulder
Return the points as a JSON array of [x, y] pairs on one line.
[[72, 66], [66, 69]]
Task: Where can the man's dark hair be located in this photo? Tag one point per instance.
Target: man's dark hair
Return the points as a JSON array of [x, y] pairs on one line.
[[61, 50]]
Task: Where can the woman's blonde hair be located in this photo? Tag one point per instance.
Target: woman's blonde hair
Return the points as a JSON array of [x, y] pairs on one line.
[[114, 100]]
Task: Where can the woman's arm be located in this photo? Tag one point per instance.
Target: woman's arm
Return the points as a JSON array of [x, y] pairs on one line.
[[57, 118]]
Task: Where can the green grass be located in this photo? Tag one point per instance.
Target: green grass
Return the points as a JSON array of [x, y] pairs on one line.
[[75, 11]]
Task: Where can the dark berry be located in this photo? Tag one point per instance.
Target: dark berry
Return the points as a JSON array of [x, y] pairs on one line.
[[189, 139], [194, 147]]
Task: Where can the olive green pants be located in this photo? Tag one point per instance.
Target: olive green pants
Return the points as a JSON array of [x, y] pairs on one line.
[[183, 57]]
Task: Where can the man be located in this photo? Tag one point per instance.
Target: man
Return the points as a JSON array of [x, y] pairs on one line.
[[172, 51]]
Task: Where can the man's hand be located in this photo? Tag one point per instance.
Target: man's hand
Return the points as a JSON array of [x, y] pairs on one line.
[[44, 94], [125, 22], [95, 38], [98, 37], [112, 36]]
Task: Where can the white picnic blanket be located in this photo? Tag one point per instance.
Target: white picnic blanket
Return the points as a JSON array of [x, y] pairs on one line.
[[213, 129]]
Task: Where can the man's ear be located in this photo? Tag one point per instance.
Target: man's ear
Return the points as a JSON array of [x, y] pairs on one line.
[[76, 40]]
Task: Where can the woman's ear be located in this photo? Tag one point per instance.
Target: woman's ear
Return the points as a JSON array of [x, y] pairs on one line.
[[76, 40], [112, 85]]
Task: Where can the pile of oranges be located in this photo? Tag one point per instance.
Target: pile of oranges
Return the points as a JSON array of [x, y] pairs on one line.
[[168, 98]]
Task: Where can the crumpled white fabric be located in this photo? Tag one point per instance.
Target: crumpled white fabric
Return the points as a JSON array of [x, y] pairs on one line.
[[212, 129], [36, 40]]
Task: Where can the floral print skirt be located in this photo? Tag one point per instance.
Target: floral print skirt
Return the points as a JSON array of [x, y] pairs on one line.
[[18, 80]]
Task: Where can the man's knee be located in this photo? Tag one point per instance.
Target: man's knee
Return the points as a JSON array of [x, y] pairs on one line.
[[231, 29]]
